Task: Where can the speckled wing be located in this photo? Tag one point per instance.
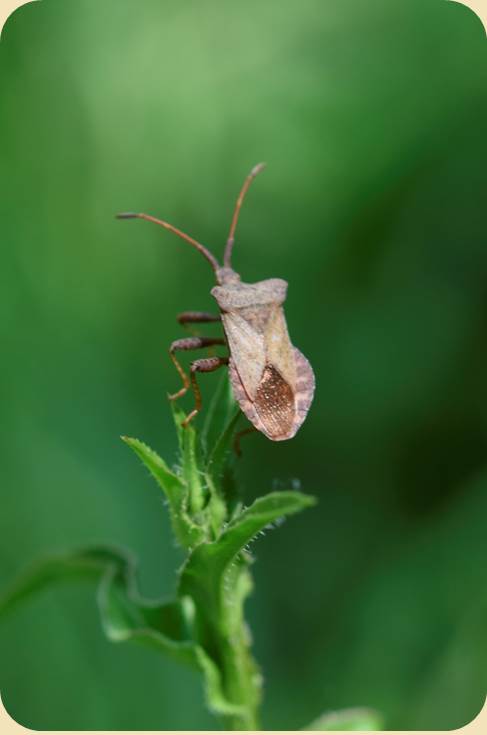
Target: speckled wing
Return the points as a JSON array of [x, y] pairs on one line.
[[278, 414]]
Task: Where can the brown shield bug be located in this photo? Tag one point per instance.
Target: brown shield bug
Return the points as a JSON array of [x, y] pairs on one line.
[[271, 380]]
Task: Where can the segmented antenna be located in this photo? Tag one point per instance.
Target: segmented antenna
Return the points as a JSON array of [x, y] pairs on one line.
[[204, 251], [227, 258]]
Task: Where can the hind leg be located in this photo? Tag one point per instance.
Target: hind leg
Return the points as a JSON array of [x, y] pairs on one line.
[[238, 436]]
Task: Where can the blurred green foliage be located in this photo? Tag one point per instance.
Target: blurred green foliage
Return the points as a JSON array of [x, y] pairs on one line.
[[372, 118]]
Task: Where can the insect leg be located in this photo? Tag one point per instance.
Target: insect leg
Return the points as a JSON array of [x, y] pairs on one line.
[[236, 442], [197, 317], [189, 343], [205, 365]]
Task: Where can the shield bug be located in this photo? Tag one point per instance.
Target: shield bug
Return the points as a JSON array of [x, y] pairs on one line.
[[271, 379]]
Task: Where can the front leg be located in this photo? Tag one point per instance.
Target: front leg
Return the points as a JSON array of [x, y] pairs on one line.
[[205, 365], [190, 318], [197, 317], [189, 343]]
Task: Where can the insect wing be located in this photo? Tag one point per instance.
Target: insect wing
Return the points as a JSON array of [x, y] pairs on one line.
[[247, 349], [278, 348], [278, 431]]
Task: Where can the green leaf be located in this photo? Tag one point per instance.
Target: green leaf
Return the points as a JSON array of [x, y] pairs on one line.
[[192, 472], [263, 512], [202, 575], [178, 417], [216, 577], [220, 412], [125, 615], [220, 477], [353, 719], [87, 563], [216, 510], [190, 467], [223, 445], [176, 490]]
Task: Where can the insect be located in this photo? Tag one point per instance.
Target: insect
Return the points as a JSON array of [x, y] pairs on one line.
[[271, 379]]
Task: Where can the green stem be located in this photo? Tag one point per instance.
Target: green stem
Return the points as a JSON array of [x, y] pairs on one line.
[[242, 684], [242, 680], [243, 722]]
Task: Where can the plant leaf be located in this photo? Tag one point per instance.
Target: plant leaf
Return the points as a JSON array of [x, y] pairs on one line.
[[216, 578], [220, 477], [353, 719], [202, 575], [86, 563], [191, 471], [176, 490], [190, 468], [166, 626], [218, 455], [220, 411], [178, 417], [216, 509], [125, 615]]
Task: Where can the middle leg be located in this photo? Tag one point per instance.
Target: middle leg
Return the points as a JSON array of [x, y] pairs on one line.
[[189, 343]]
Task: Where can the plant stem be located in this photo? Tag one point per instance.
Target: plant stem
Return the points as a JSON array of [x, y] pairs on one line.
[[242, 683]]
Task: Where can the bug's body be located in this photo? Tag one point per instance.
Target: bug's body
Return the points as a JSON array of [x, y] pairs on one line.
[[271, 380]]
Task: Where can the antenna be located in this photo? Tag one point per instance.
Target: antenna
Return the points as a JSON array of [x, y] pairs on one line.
[[227, 258], [204, 251]]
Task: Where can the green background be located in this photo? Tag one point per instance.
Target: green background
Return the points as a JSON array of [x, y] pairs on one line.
[[372, 119]]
